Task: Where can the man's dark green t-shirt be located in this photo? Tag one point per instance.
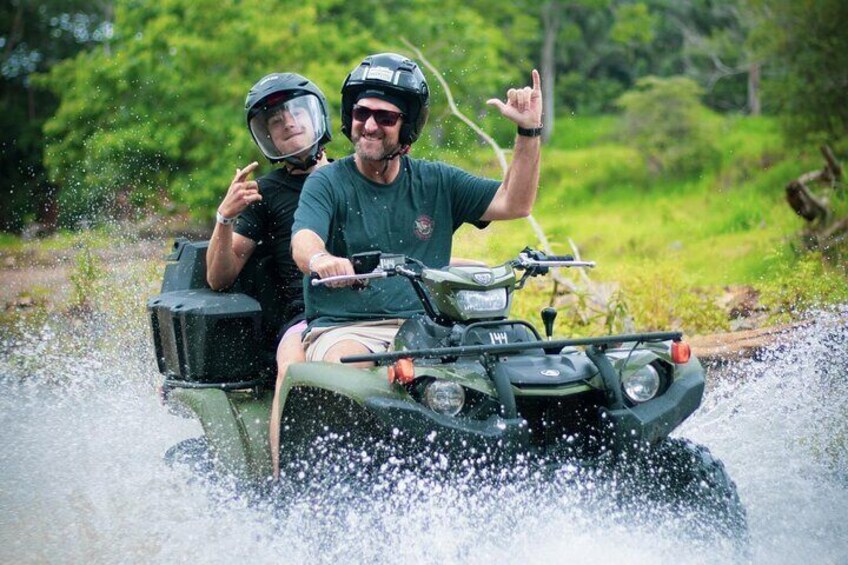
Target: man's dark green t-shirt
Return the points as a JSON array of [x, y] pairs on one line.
[[415, 215], [269, 221]]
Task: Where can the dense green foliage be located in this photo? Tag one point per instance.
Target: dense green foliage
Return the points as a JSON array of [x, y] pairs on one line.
[[158, 117], [143, 99], [809, 86], [36, 36]]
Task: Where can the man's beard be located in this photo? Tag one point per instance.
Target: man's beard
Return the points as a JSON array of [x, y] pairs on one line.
[[373, 153]]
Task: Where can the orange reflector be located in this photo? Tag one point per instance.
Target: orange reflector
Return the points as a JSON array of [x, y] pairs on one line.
[[680, 352], [403, 372]]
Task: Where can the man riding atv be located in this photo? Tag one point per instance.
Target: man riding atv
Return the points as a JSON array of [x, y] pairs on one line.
[[380, 198], [288, 120]]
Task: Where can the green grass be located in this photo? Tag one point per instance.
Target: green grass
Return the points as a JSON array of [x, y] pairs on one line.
[[673, 238], [580, 132]]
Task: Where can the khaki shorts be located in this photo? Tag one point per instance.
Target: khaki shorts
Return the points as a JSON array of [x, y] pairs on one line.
[[377, 336]]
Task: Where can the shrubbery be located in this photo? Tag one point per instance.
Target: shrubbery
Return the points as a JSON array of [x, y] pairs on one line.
[[665, 121]]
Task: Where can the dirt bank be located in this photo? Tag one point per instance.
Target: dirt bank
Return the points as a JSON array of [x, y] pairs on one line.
[[45, 277]]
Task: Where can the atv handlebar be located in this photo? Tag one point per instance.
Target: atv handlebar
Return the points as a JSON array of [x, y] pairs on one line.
[[525, 260], [535, 262]]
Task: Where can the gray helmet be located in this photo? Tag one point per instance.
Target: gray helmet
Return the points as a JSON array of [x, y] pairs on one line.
[[288, 119], [397, 77]]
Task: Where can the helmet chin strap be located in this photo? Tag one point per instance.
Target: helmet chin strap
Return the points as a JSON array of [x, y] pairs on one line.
[[295, 164], [402, 149]]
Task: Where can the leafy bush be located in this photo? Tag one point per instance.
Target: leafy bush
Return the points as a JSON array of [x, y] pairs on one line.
[[665, 121], [86, 278], [660, 298], [809, 284]]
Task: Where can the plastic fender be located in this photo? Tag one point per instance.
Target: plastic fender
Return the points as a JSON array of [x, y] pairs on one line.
[[236, 426], [656, 419], [356, 384]]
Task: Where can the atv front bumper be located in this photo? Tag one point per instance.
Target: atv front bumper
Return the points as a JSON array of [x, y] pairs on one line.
[[625, 427]]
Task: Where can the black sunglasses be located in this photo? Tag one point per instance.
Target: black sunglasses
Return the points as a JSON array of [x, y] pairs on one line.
[[384, 118]]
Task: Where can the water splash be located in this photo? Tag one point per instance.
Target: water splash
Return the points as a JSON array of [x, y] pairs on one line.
[[83, 478]]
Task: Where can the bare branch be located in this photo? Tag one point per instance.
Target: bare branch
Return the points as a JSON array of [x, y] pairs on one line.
[[597, 298], [449, 95]]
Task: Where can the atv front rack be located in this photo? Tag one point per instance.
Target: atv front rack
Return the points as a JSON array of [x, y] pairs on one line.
[[506, 395], [448, 353]]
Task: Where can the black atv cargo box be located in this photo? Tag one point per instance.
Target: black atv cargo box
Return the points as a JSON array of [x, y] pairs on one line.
[[205, 336]]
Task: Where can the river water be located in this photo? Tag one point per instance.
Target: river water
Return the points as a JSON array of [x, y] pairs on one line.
[[82, 479]]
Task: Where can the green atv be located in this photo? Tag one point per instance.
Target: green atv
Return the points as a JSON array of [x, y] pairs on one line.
[[463, 382]]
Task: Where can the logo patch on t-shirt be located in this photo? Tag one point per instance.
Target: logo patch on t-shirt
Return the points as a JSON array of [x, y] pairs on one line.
[[424, 225]]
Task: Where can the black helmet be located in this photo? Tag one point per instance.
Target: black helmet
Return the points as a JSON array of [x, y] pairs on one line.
[[398, 77], [280, 93]]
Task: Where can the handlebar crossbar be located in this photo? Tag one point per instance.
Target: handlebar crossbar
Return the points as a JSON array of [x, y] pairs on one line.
[[534, 263]]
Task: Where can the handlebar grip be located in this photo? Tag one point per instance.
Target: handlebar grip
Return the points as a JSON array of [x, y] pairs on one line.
[[560, 258]]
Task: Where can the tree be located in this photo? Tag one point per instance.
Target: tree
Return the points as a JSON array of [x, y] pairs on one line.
[[35, 36], [804, 49], [714, 52], [159, 115]]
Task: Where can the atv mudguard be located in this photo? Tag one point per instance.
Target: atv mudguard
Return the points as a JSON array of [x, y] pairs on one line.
[[236, 422]]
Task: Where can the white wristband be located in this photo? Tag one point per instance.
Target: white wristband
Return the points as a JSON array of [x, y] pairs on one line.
[[312, 259], [221, 219]]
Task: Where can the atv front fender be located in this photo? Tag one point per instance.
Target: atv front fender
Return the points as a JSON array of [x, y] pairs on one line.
[[415, 421], [655, 419]]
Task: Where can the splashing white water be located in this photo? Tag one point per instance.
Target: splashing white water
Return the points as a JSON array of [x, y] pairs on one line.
[[82, 477]]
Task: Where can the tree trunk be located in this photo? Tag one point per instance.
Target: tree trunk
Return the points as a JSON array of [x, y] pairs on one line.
[[550, 20], [754, 89]]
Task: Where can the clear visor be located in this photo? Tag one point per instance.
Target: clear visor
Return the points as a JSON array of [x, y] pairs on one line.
[[289, 128]]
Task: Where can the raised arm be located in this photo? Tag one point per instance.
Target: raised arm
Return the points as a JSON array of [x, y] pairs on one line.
[[517, 193], [228, 251]]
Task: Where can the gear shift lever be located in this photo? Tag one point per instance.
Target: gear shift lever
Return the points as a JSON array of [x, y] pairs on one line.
[[548, 316]]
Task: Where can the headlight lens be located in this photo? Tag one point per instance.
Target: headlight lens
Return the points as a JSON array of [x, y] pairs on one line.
[[481, 300], [444, 397], [641, 385]]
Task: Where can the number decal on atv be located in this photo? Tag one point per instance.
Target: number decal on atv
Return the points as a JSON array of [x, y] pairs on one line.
[[498, 338]]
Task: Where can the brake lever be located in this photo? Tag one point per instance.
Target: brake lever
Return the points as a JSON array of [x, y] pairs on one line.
[[364, 276]]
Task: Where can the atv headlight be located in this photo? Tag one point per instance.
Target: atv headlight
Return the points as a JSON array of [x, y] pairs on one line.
[[476, 301], [641, 385], [444, 397]]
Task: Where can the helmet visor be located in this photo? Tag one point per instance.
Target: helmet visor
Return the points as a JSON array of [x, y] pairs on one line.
[[290, 128]]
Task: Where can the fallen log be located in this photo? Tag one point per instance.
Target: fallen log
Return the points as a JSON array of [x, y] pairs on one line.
[[733, 346], [823, 230]]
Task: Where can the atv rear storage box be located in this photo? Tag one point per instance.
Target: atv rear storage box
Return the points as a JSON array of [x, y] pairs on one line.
[[205, 336]]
